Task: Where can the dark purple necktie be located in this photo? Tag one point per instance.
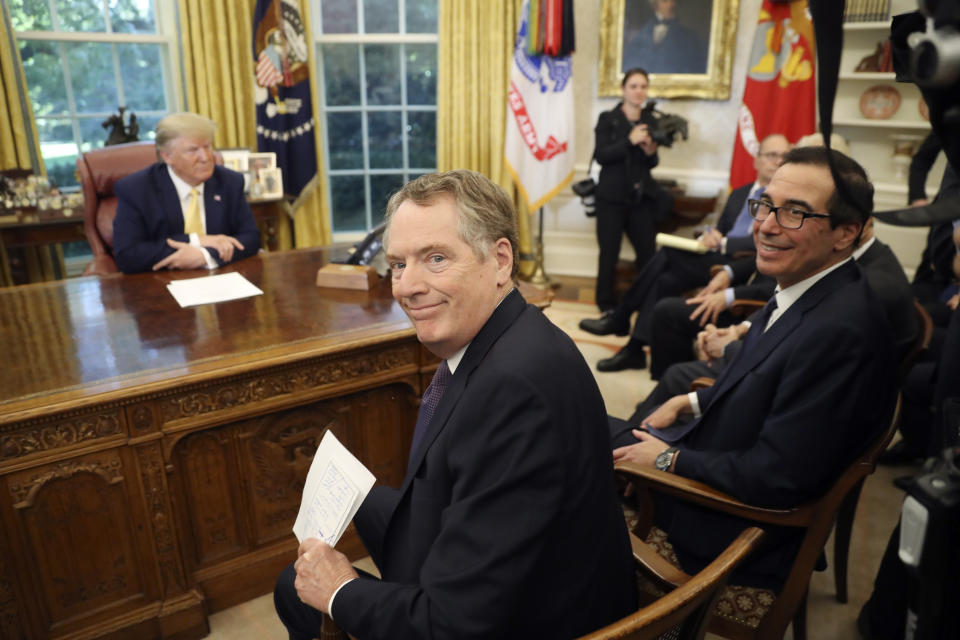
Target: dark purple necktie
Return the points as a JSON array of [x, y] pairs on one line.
[[428, 404]]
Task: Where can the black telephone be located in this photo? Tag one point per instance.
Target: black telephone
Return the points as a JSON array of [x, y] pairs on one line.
[[365, 250]]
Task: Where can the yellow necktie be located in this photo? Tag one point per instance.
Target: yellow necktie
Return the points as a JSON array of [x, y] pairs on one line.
[[191, 220]]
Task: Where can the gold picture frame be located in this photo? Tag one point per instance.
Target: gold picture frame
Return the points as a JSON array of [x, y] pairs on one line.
[[713, 84]]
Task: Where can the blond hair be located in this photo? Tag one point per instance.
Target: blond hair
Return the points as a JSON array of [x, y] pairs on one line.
[[177, 125]]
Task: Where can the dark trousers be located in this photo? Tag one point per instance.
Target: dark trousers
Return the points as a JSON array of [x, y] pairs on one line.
[[613, 219], [672, 333], [669, 272], [302, 621]]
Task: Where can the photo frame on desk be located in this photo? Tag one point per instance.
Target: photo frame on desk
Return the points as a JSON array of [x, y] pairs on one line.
[[692, 58], [235, 159], [257, 162], [272, 182]]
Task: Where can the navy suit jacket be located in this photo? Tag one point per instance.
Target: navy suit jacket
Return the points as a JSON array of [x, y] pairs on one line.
[[507, 523], [149, 212], [728, 218], [786, 417]]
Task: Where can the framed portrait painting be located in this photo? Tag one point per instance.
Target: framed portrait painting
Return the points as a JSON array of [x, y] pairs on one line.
[[686, 46]]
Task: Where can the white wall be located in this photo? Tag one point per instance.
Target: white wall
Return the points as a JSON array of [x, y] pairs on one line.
[[700, 164]]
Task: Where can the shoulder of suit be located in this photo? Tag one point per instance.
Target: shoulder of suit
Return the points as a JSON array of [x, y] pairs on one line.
[[146, 174]]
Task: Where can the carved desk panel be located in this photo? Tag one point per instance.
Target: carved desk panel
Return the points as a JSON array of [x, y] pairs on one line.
[[152, 457]]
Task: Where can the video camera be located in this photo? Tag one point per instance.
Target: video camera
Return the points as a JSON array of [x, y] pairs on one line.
[[663, 127]]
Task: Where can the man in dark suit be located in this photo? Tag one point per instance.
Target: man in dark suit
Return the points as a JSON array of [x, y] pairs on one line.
[[184, 212], [507, 524], [814, 381], [676, 321], [671, 272]]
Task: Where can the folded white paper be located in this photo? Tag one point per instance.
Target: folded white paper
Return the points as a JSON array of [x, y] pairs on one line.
[[208, 289], [337, 484], [679, 242]]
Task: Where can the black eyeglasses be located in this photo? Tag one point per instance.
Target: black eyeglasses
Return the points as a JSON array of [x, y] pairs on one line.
[[787, 217]]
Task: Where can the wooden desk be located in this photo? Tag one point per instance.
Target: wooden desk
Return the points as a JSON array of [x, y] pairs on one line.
[[152, 457]]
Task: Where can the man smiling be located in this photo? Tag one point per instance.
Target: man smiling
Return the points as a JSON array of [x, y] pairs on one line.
[[814, 381], [506, 525]]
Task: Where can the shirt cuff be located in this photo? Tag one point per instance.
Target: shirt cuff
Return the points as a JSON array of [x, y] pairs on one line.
[[729, 271], [330, 603], [723, 244], [694, 403], [195, 242], [728, 296]]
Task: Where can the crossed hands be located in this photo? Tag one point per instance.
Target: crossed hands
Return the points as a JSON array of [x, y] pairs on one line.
[[320, 572], [712, 341], [188, 256]]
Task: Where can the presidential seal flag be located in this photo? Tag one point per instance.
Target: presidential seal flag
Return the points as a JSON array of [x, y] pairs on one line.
[[285, 123], [539, 139], [780, 93]]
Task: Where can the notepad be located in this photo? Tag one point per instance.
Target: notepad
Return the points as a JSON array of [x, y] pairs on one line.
[[207, 289], [679, 242], [337, 484]]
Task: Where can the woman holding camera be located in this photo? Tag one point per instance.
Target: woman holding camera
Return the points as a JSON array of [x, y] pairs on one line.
[[627, 195]]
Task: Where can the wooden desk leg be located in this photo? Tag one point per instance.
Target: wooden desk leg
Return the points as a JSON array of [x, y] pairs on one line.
[[6, 279]]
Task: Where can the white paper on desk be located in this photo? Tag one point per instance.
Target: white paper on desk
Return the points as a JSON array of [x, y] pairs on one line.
[[679, 242], [336, 485], [208, 289]]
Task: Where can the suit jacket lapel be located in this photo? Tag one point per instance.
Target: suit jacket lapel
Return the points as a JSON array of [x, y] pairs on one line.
[[169, 202], [213, 204], [503, 316], [748, 359]]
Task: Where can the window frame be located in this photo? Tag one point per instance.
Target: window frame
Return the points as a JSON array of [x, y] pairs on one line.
[[364, 108], [167, 37]]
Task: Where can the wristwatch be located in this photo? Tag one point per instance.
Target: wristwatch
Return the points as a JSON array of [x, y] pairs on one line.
[[665, 459]]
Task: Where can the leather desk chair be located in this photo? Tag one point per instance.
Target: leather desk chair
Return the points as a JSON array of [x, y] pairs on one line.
[[98, 170]]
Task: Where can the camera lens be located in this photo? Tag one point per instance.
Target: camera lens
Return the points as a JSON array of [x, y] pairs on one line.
[[935, 57]]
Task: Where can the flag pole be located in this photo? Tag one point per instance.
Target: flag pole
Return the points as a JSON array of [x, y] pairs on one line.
[[539, 277]]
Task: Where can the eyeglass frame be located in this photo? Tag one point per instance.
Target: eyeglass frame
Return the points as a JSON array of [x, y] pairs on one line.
[[772, 155], [753, 205]]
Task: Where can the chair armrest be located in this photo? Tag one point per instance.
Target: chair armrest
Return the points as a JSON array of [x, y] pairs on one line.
[[743, 308], [701, 382], [655, 567], [706, 496], [101, 265]]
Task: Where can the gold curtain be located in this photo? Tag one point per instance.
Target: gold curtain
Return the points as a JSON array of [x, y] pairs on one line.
[[475, 48], [218, 74], [18, 130]]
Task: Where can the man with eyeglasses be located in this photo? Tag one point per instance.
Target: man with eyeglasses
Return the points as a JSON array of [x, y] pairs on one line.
[[813, 383], [671, 272]]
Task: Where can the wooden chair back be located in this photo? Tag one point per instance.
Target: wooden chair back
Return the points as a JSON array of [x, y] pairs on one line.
[[686, 610], [98, 170]]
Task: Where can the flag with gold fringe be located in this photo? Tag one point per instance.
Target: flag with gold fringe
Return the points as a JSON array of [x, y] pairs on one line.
[[780, 92], [539, 139], [285, 123]]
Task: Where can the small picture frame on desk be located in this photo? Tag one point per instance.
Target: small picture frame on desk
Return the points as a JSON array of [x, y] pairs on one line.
[[272, 182], [258, 162], [235, 159]]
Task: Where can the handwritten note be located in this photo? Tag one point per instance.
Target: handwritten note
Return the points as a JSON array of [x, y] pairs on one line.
[[336, 485]]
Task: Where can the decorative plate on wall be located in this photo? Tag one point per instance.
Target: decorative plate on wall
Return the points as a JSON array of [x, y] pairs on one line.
[[879, 102]]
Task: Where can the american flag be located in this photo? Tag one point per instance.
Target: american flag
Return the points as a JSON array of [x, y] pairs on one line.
[[267, 73]]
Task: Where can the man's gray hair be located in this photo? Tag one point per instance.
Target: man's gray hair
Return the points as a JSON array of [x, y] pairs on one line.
[[486, 212]]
